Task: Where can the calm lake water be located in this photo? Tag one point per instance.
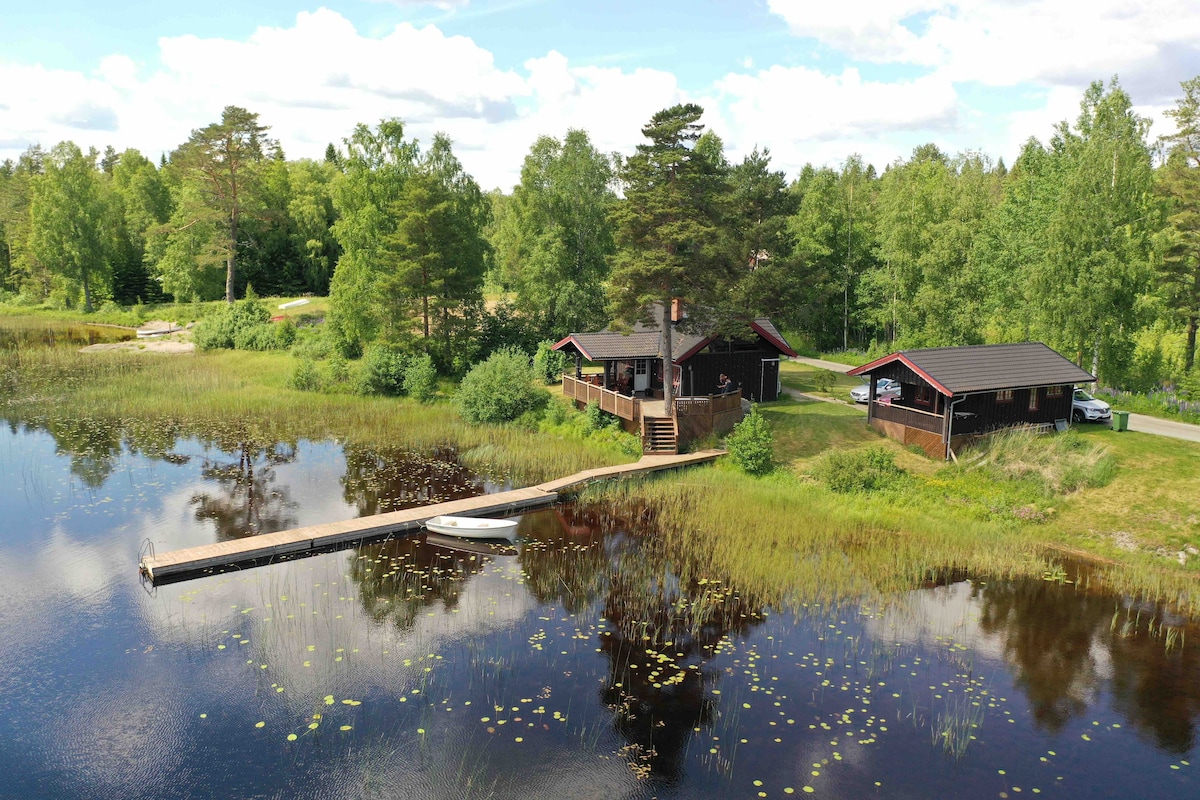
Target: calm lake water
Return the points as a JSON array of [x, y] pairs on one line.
[[576, 664]]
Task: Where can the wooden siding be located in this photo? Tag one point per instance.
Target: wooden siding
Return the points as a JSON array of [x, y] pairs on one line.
[[909, 417], [700, 416], [746, 369], [982, 413], [930, 442]]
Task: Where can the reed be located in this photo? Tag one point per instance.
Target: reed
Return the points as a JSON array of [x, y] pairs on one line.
[[788, 541], [244, 395]]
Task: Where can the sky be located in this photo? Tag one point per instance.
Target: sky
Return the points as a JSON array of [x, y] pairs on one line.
[[814, 81]]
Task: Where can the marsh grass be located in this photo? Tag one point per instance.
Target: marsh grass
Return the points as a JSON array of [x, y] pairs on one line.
[[245, 396], [788, 540]]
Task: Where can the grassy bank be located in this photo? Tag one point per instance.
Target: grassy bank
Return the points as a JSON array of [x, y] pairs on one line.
[[234, 395], [1123, 501]]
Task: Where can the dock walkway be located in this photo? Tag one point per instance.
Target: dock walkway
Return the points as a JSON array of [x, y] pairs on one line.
[[267, 546]]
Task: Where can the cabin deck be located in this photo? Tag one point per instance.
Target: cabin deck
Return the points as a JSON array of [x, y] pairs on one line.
[[300, 540]]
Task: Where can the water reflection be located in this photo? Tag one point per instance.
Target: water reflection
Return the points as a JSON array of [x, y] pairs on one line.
[[247, 500], [22, 333], [400, 578], [1067, 645], [379, 480]]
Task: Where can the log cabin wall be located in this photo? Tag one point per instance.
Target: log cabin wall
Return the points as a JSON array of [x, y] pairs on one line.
[[991, 413], [745, 368]]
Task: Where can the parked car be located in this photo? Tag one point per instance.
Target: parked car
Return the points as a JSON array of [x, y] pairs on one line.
[[884, 388], [1085, 408]]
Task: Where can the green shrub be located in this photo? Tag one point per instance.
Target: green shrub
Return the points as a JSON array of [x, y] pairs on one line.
[[863, 470], [420, 378], [824, 380], [337, 370], [499, 389], [285, 333], [305, 376], [750, 443], [221, 330], [549, 364], [382, 371], [598, 420], [256, 337], [312, 343]]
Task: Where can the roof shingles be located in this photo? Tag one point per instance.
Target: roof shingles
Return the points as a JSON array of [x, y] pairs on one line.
[[983, 368]]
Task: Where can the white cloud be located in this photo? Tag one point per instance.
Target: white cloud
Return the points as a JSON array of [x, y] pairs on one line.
[[314, 80], [806, 116], [1051, 42]]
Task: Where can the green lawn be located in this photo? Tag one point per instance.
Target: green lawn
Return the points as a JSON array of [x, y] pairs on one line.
[[805, 378]]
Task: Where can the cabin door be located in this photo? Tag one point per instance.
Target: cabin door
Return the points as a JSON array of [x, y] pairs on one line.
[[641, 375]]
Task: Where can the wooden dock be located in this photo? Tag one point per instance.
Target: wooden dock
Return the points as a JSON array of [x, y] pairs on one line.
[[268, 546]]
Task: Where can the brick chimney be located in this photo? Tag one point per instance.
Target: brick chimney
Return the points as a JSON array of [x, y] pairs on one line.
[[677, 312]]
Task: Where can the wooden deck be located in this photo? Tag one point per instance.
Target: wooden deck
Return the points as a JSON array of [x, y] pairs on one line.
[[265, 547]]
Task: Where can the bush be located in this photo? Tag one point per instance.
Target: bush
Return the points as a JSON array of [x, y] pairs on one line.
[[598, 420], [256, 337], [549, 364], [499, 389], [382, 372], [750, 443], [312, 343], [866, 470], [420, 378], [305, 376], [221, 330], [824, 380]]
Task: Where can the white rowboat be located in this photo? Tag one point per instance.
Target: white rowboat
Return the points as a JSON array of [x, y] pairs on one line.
[[473, 528]]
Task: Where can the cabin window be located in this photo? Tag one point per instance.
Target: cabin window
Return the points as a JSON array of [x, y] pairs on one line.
[[1033, 399], [639, 366], [1054, 391], [924, 396], [1004, 396]]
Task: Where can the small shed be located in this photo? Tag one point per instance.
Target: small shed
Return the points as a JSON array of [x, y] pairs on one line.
[[952, 395]]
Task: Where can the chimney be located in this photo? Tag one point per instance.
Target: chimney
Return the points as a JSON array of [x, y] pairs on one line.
[[677, 312]]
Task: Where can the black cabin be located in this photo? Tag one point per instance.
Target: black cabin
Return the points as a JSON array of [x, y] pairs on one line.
[[950, 395]]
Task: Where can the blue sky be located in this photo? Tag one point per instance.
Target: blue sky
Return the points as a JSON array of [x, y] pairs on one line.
[[813, 81]]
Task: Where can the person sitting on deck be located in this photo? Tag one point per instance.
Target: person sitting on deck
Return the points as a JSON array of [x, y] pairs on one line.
[[724, 385]]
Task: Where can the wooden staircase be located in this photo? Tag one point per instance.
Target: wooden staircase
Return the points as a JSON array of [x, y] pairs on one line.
[[660, 435]]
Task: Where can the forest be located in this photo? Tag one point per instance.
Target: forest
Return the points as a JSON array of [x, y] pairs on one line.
[[1089, 242]]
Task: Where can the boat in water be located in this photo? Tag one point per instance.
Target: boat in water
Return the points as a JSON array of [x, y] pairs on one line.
[[473, 528]]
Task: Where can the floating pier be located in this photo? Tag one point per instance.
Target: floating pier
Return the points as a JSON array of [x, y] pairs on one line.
[[266, 547]]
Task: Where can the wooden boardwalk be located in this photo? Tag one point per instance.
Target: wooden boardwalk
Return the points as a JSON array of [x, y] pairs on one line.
[[267, 546]]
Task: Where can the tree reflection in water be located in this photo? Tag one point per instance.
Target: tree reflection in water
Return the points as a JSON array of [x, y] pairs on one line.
[[1063, 643], [660, 630], [381, 480], [248, 502], [400, 578]]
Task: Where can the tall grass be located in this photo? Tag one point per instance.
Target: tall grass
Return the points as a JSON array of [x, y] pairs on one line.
[[246, 394], [787, 541]]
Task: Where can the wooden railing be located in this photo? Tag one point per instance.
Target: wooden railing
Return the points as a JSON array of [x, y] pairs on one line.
[[584, 391], [708, 404], [911, 417]]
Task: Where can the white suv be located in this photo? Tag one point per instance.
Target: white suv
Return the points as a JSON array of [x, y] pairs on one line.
[[1085, 408], [884, 387]]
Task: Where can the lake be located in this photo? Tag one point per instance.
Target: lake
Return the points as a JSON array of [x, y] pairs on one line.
[[576, 664]]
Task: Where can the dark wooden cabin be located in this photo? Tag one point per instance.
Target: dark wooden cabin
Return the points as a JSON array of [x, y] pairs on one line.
[[952, 395], [633, 361], [631, 383]]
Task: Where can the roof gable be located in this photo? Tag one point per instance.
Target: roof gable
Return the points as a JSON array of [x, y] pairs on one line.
[[983, 368], [645, 341]]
